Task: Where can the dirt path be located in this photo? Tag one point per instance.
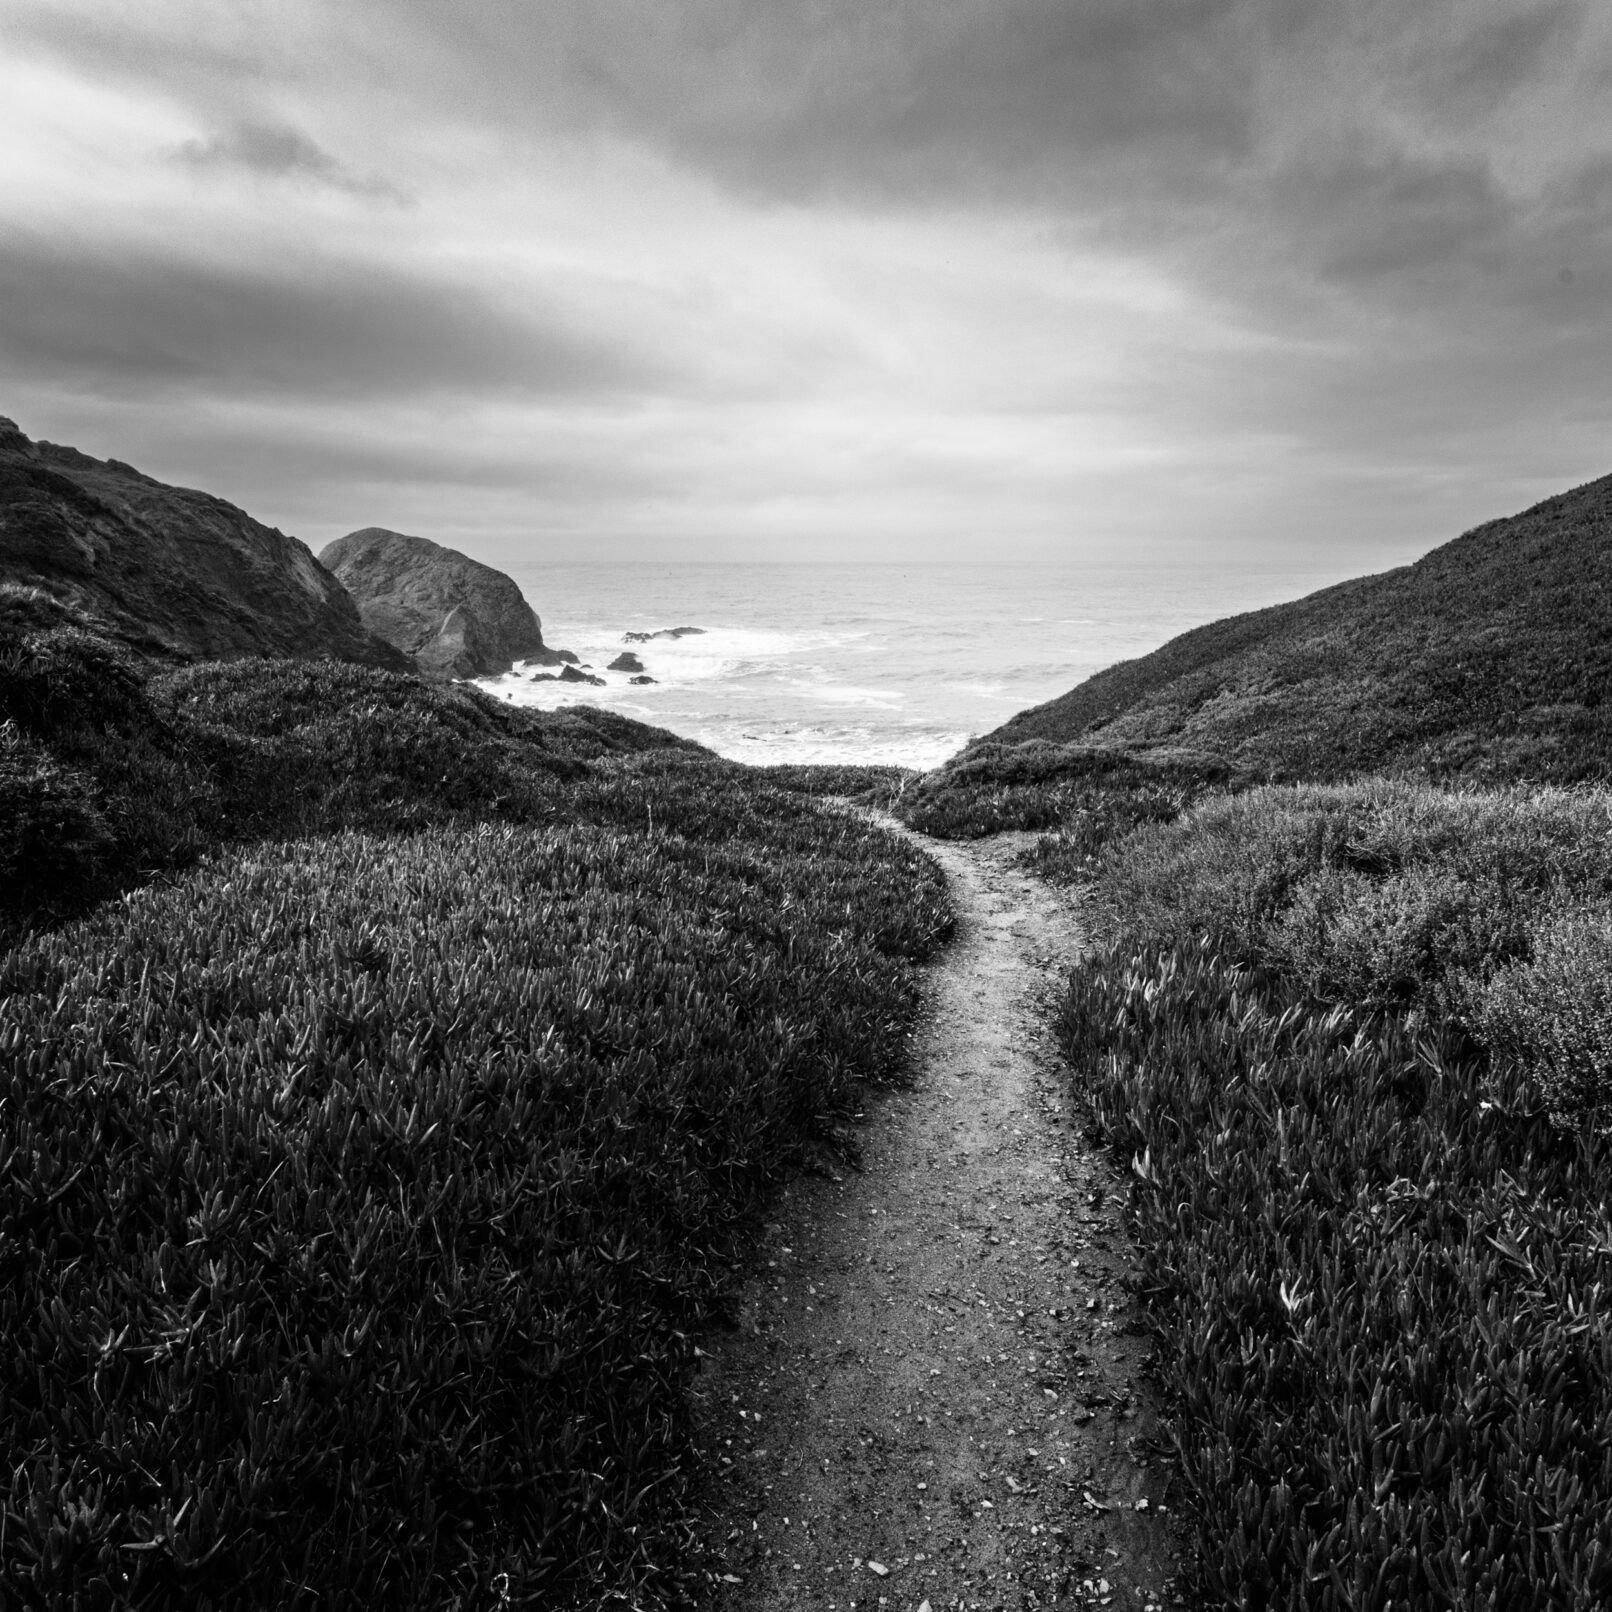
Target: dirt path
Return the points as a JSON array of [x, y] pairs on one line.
[[932, 1394]]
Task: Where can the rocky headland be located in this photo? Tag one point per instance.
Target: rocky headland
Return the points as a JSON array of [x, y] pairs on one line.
[[451, 615], [171, 570]]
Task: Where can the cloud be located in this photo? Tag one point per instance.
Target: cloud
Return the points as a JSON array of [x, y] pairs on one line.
[[1363, 216], [1585, 193], [279, 151], [895, 100], [1001, 103], [1469, 76], [759, 271], [128, 318]]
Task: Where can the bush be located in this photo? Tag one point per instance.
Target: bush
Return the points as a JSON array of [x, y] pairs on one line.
[[1374, 893], [1088, 826], [307, 746], [1551, 1015], [992, 788], [868, 786], [381, 1178], [77, 705], [53, 840]]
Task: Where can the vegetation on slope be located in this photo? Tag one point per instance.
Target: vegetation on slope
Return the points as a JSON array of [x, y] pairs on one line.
[[868, 786], [360, 1189], [1354, 1044], [1088, 794], [113, 767], [1351, 1043], [1489, 658]]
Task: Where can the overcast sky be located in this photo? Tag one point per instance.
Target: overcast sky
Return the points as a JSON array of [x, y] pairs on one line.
[[1320, 280]]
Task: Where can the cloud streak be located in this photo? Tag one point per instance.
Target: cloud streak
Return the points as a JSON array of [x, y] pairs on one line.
[[304, 330], [278, 151]]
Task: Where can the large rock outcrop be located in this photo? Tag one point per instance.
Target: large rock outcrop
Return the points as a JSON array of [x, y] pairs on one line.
[[168, 568], [453, 616]]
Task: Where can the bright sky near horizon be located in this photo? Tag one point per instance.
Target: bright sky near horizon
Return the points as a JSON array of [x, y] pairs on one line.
[[1326, 280]]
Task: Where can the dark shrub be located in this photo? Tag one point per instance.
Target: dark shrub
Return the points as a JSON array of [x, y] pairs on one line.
[[54, 843]]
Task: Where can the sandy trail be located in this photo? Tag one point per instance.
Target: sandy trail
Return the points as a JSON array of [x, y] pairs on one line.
[[936, 1371]]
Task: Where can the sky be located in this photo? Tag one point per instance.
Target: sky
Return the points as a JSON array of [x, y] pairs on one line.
[[1318, 283]]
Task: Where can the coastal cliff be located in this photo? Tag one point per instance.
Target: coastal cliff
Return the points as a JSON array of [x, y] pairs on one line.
[[172, 570]]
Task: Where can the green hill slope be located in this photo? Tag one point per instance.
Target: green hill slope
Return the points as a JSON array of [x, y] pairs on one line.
[[1488, 657]]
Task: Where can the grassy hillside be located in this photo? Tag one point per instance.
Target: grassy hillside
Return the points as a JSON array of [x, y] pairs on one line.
[[375, 1155], [1488, 658]]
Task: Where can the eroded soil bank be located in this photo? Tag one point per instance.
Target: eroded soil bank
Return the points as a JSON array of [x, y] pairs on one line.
[[933, 1393]]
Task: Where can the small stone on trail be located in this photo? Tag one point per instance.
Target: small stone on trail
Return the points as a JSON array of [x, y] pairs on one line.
[[879, 1568]]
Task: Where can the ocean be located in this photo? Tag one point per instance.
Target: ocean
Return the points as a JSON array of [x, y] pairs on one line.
[[874, 663]]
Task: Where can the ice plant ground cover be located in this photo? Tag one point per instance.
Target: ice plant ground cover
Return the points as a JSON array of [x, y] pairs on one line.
[[363, 1183], [386, 1077], [1350, 1044], [370, 1178]]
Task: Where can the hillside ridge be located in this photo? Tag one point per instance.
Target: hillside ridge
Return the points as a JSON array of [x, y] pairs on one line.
[[1489, 656]]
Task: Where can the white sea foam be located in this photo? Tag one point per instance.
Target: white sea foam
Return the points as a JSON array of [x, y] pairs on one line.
[[885, 699], [849, 744], [857, 663]]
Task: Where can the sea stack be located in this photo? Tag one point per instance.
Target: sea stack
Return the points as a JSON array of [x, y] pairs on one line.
[[453, 616]]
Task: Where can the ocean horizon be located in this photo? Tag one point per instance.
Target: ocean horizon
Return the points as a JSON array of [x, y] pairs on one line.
[[870, 663]]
